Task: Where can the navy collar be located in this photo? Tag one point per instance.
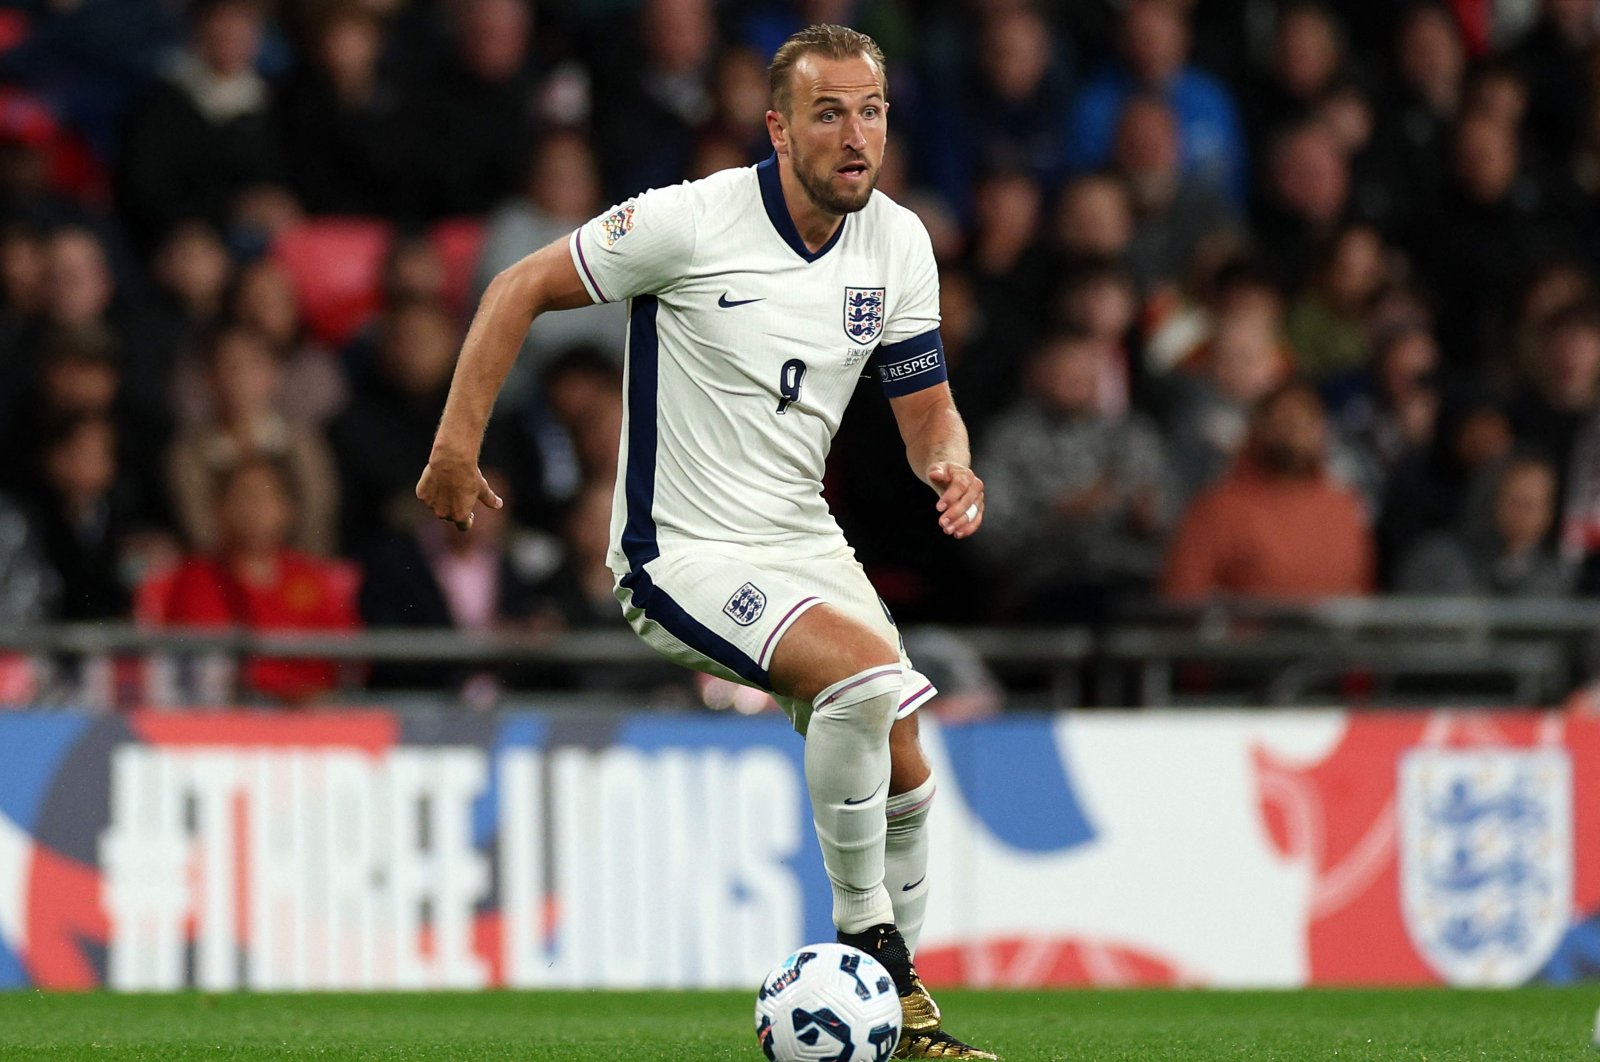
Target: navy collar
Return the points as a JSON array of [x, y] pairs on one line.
[[778, 212]]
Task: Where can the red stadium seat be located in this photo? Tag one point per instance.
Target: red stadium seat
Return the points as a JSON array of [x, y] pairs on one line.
[[458, 242], [336, 265], [19, 679], [14, 29]]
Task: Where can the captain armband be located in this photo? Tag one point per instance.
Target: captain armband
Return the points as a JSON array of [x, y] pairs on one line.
[[911, 365]]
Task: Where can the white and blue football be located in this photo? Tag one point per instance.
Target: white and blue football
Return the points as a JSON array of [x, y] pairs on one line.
[[828, 1003]]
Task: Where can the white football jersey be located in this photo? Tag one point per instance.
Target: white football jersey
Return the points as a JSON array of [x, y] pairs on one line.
[[743, 350]]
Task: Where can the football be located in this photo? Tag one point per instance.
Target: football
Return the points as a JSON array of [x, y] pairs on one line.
[[828, 1002]]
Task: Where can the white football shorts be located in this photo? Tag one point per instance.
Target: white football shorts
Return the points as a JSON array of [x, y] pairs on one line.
[[724, 613]]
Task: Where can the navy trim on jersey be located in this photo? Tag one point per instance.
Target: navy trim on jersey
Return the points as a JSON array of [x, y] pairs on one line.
[[639, 489], [778, 212], [911, 365], [583, 260], [639, 481], [661, 609]]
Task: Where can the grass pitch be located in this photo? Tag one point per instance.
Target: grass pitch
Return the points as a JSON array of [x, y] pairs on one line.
[[1149, 1026]]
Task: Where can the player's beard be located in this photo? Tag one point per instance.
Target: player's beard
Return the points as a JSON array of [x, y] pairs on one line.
[[822, 192]]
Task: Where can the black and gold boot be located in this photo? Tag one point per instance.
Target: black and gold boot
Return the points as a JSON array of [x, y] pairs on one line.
[[921, 1034]]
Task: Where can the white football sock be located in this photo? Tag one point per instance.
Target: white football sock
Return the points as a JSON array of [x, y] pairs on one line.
[[847, 774], [905, 858]]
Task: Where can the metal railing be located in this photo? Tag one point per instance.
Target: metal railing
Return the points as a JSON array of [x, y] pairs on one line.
[[1382, 650]]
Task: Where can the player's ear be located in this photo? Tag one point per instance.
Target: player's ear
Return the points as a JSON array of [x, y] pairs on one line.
[[777, 132]]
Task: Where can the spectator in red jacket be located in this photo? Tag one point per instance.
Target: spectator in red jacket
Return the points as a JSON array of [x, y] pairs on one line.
[[1277, 526], [255, 581]]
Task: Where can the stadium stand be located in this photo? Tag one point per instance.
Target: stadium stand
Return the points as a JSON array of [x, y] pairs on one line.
[[1395, 210]]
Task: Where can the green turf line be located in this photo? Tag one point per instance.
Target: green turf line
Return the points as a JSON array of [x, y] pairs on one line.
[[1540, 1024]]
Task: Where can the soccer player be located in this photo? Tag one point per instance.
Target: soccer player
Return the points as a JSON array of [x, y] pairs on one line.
[[757, 298]]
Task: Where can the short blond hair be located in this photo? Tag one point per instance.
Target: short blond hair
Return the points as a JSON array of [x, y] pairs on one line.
[[830, 42]]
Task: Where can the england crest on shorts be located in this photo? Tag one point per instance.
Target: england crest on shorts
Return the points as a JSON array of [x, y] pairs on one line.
[[1486, 860], [863, 314], [746, 605]]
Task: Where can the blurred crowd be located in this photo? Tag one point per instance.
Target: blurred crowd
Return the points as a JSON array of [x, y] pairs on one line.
[[1241, 297]]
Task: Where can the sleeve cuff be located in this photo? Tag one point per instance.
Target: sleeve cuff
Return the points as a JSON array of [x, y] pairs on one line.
[[581, 263]]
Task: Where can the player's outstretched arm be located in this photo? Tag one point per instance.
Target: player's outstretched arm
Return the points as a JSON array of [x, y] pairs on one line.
[[452, 484], [940, 455]]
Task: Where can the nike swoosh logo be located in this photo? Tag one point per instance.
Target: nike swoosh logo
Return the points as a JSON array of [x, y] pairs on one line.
[[914, 884], [866, 798], [726, 303]]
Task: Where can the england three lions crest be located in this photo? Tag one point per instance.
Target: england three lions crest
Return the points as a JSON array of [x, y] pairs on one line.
[[863, 314], [1486, 860]]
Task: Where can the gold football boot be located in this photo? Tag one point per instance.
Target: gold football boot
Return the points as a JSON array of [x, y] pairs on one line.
[[921, 1035]]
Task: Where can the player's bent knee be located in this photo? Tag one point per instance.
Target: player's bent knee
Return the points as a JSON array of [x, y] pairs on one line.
[[824, 647], [867, 700]]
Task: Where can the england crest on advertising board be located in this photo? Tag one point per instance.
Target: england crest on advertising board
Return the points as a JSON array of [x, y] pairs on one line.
[[1486, 859]]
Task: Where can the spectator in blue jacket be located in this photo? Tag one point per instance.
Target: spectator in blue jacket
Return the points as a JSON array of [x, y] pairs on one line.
[[1010, 111], [1155, 50]]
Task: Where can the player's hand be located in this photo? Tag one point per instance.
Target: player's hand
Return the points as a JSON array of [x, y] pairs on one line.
[[452, 487], [960, 498]]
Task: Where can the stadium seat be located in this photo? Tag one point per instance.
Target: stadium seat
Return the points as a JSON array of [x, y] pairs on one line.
[[19, 680], [336, 265], [14, 30], [458, 242]]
